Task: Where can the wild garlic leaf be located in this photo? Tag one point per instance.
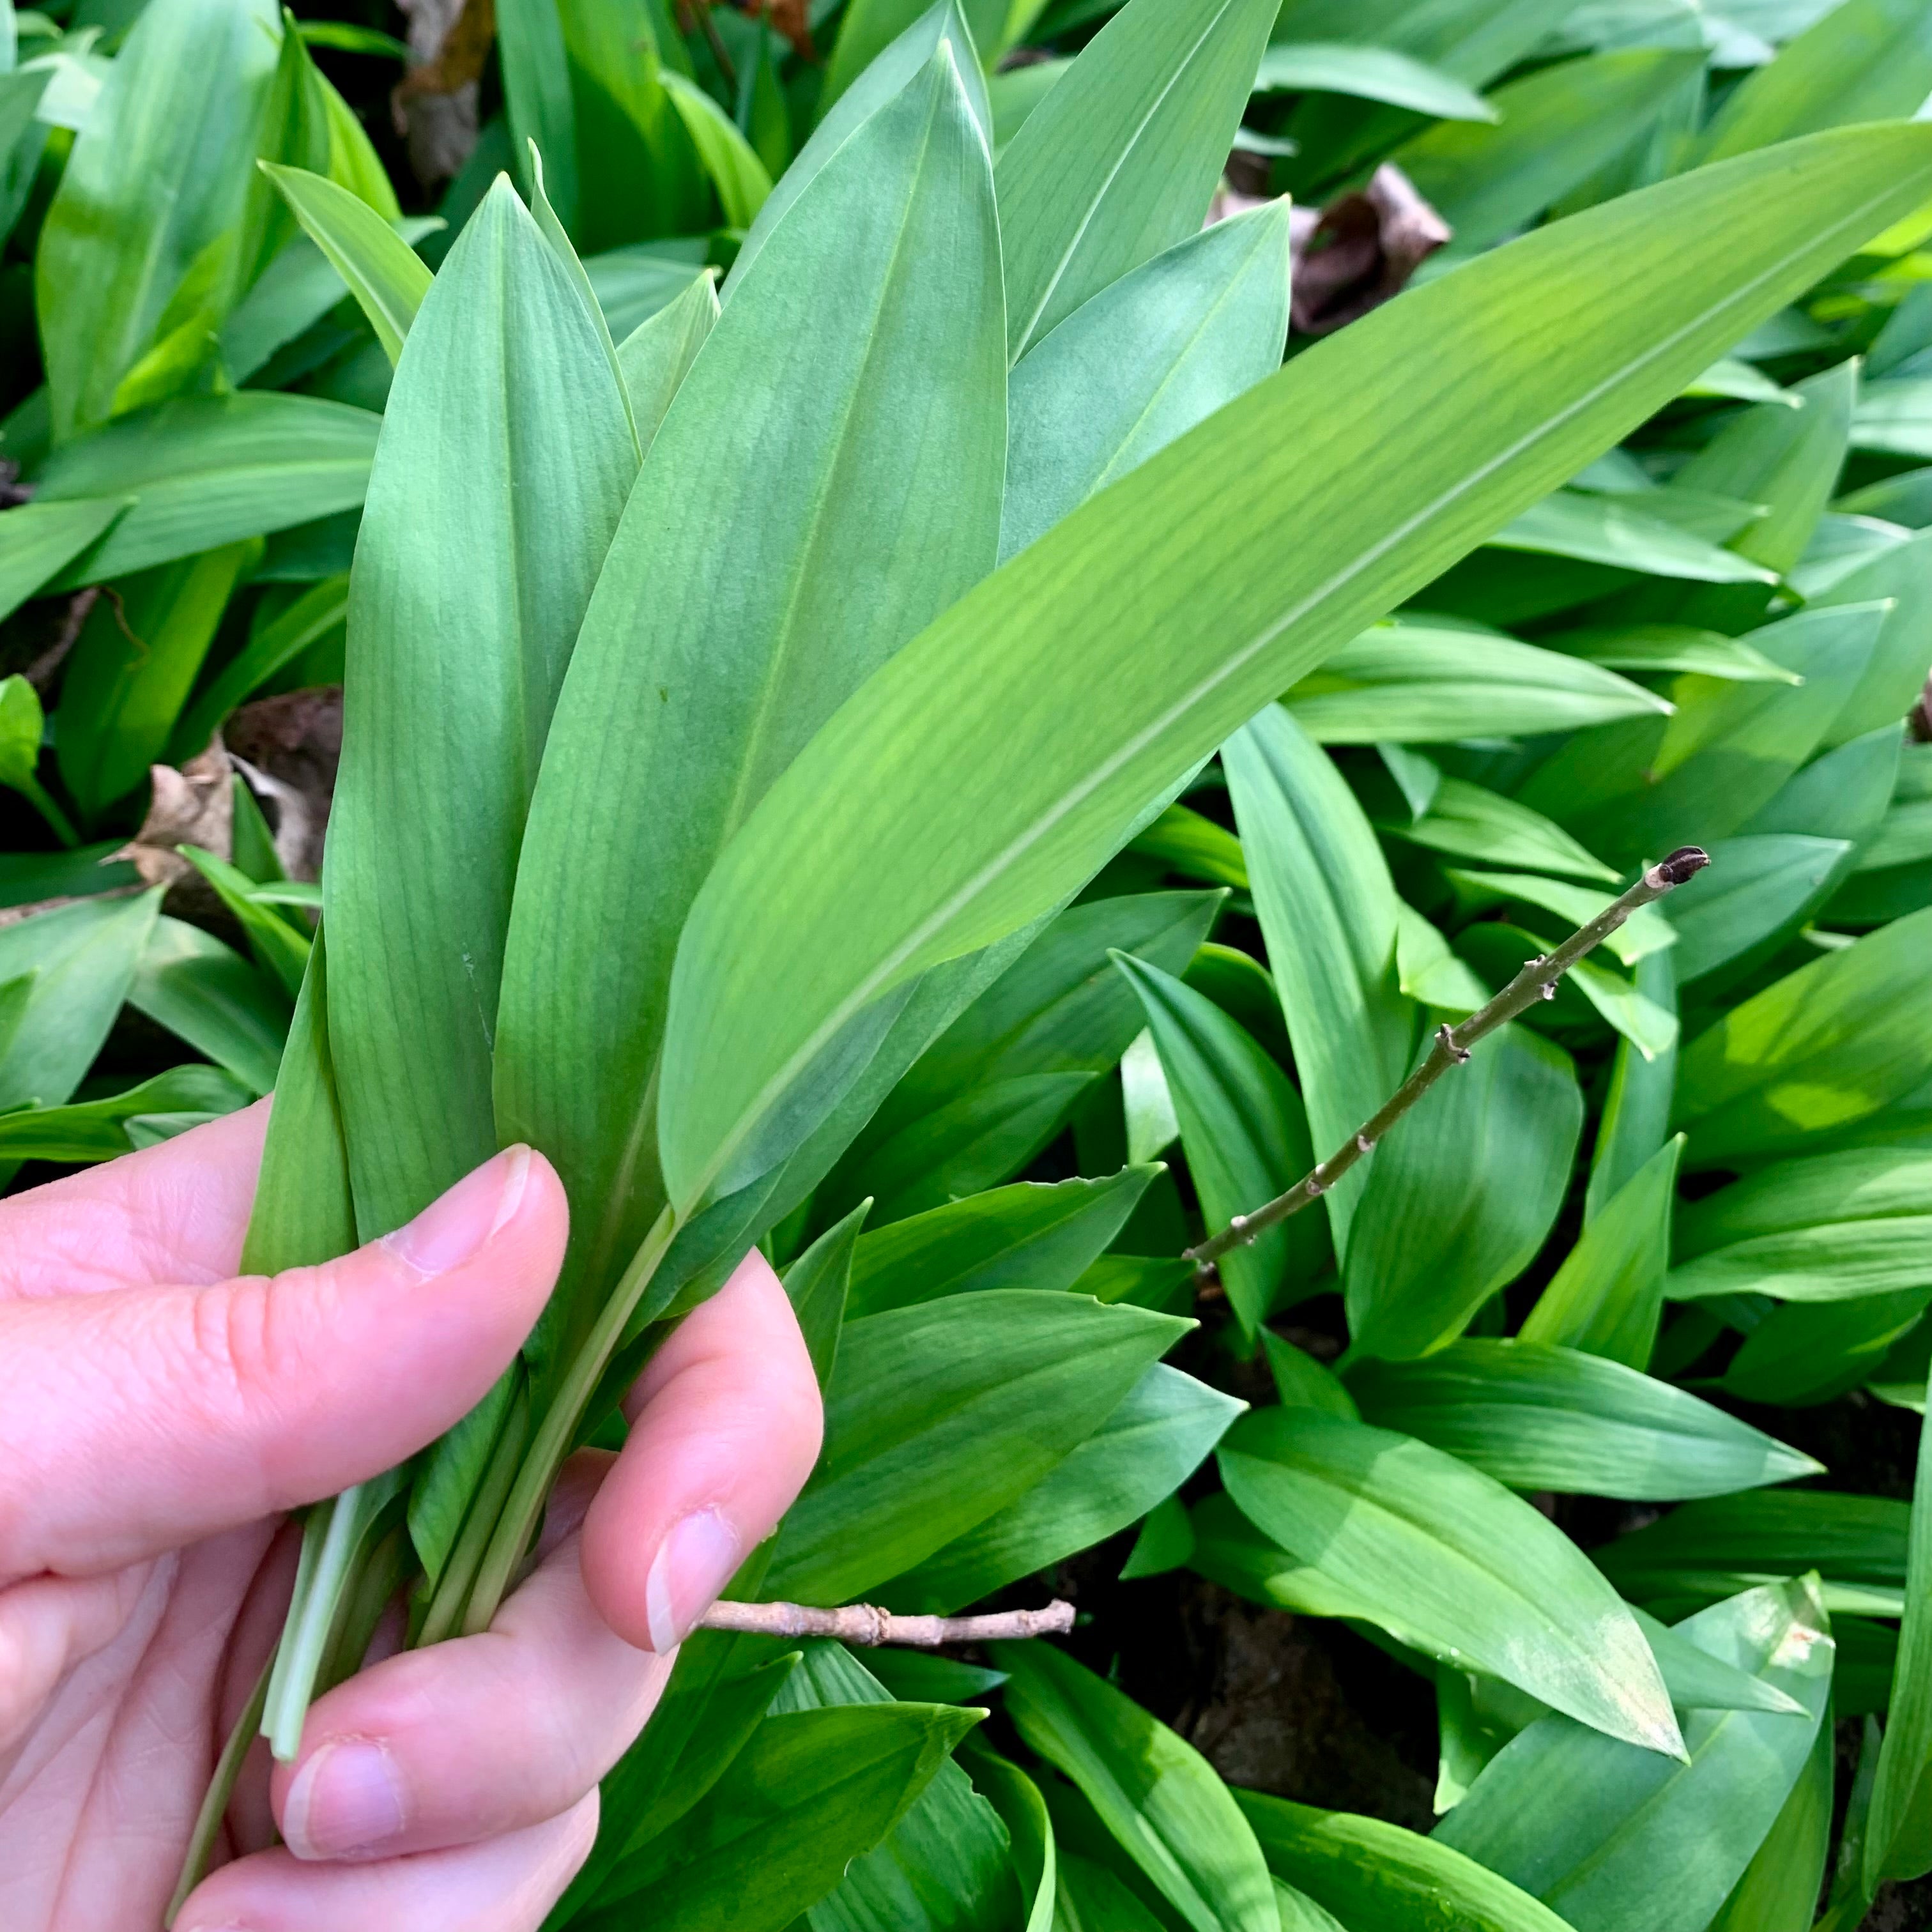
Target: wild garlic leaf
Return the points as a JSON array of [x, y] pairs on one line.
[[464, 604], [1161, 1800], [1447, 1559], [1006, 774], [714, 647]]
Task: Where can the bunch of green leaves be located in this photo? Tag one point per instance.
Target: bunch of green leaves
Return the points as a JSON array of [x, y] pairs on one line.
[[769, 807]]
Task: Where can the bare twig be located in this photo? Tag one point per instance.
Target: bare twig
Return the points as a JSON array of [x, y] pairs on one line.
[[866, 1624], [1536, 981]]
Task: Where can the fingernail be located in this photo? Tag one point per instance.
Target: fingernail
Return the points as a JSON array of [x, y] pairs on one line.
[[454, 1225], [346, 1799], [698, 1558]]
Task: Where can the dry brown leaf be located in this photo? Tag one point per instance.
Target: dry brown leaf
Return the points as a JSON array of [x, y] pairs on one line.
[[193, 806], [1360, 251], [434, 105]]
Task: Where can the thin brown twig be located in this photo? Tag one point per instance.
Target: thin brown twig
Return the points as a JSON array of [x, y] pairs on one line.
[[1536, 981], [866, 1624]]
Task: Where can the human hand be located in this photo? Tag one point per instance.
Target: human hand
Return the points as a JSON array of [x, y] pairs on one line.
[[158, 1417]]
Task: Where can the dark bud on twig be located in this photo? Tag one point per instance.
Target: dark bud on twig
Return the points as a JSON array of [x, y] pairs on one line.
[[1686, 863], [1446, 1040]]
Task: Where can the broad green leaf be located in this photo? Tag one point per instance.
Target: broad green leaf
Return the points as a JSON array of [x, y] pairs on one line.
[[1385, 1879], [741, 179], [1711, 1549], [37, 539], [1147, 1104], [1661, 647], [537, 97], [1368, 73], [1538, 1417], [1616, 530], [208, 470], [656, 356], [1059, 1007], [1447, 1561], [1091, 1896], [1160, 1799], [1246, 1138], [387, 277], [101, 1130], [1898, 1830], [1787, 459], [1607, 1297], [1187, 842], [944, 1866], [137, 246], [940, 1414], [631, 284], [1023, 1811], [867, 28], [638, 175], [1841, 794], [271, 648], [812, 1790], [1552, 130], [1864, 60], [715, 647], [1779, 1890], [1646, 931], [982, 1139], [280, 950], [294, 130], [818, 1284], [1302, 1382], [1895, 418], [303, 1213], [1461, 1194], [702, 1722], [23, 139], [1590, 1824], [1144, 360], [22, 726], [1327, 909], [1474, 40], [1044, 764], [1014, 92], [1902, 574], [1120, 160], [1160, 1435], [1409, 683], [1164, 1542], [1429, 972], [1469, 823], [83, 958], [1830, 1228], [1238, 983], [1033, 1235], [206, 993], [1731, 747], [882, 80], [131, 670], [1756, 885], [1821, 1048], [463, 605], [1804, 1352]]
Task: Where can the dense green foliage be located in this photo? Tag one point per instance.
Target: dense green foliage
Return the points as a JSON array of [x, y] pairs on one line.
[[940, 756]]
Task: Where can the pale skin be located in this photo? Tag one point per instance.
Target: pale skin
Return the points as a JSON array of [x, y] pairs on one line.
[[159, 1417]]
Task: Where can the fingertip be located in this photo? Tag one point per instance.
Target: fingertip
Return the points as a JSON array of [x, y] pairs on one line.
[[727, 1428]]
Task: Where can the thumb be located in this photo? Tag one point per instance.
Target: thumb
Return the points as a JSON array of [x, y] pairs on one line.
[[134, 1420]]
